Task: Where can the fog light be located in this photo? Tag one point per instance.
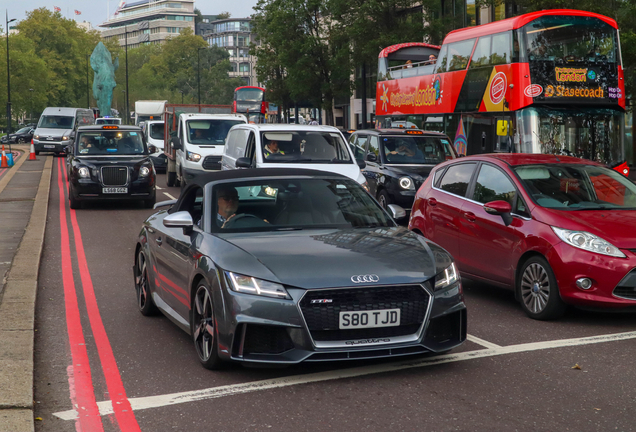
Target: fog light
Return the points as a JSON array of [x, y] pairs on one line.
[[584, 283]]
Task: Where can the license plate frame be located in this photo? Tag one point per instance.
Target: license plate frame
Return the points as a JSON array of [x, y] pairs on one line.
[[369, 319], [115, 190], [49, 146]]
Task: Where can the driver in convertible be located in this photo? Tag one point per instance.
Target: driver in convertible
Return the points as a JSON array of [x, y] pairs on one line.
[[227, 204]]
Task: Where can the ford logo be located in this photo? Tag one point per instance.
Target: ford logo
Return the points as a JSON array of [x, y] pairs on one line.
[[365, 278]]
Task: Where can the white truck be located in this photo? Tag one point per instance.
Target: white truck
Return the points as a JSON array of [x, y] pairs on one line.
[[149, 110]]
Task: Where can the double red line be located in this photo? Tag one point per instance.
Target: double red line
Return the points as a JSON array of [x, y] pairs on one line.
[[81, 382]]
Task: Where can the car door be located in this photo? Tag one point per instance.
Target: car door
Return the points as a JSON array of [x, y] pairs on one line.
[[443, 207], [486, 244]]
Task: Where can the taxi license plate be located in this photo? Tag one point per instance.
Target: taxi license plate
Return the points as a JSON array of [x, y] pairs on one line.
[[49, 146], [369, 319], [114, 190]]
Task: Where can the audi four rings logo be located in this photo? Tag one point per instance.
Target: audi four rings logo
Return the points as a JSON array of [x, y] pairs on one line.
[[365, 278]]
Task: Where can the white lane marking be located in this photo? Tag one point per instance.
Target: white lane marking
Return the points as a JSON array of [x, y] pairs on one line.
[[482, 342], [140, 403], [168, 195], [160, 188]]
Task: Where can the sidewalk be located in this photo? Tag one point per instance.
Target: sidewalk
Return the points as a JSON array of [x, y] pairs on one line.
[[24, 195]]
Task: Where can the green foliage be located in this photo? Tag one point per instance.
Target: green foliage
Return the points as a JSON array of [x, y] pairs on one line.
[[223, 15]]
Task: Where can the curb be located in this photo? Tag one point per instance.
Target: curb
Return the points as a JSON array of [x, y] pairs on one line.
[[17, 315]]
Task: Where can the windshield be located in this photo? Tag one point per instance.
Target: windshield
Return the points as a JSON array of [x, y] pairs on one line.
[[56, 122], [286, 204], [566, 39], [577, 187], [406, 149], [304, 147], [110, 143], [212, 132], [108, 121], [156, 131], [23, 130], [249, 95]]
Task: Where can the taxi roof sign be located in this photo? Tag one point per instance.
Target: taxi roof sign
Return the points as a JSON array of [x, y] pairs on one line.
[[110, 127]]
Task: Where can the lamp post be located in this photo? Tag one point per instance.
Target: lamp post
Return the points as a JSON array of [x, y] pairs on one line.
[[88, 102], [8, 83], [126, 48], [31, 105]]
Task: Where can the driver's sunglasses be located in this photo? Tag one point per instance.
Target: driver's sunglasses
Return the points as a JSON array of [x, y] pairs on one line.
[[230, 198]]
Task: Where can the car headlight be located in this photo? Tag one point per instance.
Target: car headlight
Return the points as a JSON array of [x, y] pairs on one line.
[[589, 242], [144, 171], [407, 183], [446, 278], [65, 138], [36, 136], [250, 285], [194, 157], [84, 172], [365, 185]]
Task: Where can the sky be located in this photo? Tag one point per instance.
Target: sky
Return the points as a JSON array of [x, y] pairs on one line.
[[96, 11]]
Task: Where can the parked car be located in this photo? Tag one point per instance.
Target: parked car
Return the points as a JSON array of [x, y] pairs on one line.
[[398, 161], [23, 135], [291, 146], [558, 229], [110, 162], [291, 265]]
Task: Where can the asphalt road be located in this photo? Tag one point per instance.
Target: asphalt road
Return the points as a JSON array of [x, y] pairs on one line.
[[514, 374]]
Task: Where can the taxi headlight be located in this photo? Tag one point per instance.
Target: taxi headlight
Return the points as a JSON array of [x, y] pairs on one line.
[[446, 278], [250, 285], [589, 242], [407, 183], [194, 157], [144, 171], [84, 172]]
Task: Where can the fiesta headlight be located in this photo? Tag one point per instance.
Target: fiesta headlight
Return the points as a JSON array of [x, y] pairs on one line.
[[194, 157], [407, 183], [250, 285], [446, 278], [84, 172], [144, 171], [589, 242]]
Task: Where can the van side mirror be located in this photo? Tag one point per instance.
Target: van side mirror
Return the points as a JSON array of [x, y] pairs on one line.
[[501, 208], [362, 164], [371, 157], [244, 162], [152, 149], [175, 142]]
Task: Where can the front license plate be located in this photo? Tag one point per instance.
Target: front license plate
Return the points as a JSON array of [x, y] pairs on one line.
[[115, 190], [368, 319], [49, 146]]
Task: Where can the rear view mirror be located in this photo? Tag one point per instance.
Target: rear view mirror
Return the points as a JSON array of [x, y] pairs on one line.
[[371, 157], [175, 142], [501, 208], [244, 162], [181, 219], [362, 164]]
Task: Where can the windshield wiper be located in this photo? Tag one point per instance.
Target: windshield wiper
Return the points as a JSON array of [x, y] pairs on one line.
[[289, 229]]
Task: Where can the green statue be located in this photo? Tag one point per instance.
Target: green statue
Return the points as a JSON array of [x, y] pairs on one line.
[[104, 78]]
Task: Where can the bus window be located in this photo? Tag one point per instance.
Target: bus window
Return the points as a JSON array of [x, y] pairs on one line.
[[442, 60], [459, 53], [481, 56], [501, 48]]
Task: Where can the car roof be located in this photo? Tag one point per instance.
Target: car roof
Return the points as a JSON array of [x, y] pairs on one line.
[[400, 131], [515, 159], [278, 127], [110, 127]]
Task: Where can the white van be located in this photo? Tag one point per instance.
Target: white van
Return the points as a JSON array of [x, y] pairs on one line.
[[57, 126], [154, 133], [200, 143], [108, 121], [290, 146]]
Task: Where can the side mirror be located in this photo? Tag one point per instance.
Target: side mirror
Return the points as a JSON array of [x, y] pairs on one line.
[[362, 164], [152, 149], [175, 142], [396, 212], [501, 208], [69, 149], [181, 219], [371, 157], [244, 162]]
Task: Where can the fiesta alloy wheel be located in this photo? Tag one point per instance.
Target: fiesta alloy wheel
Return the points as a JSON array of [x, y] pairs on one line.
[[538, 290], [203, 328], [142, 287]]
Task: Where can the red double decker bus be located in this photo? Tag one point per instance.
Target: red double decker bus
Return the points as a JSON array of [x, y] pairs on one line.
[[250, 100], [543, 82]]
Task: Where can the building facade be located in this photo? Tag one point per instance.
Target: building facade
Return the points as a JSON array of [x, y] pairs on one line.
[[235, 36], [149, 21]]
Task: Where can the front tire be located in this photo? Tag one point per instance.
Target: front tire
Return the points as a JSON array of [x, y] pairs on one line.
[[74, 203], [203, 328], [384, 199], [538, 290], [145, 304]]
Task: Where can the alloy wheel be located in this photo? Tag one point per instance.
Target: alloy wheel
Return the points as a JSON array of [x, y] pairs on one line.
[[141, 282], [535, 288], [203, 323], [382, 200]]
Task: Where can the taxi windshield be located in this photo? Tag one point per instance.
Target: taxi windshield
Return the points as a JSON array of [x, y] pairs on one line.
[[415, 149], [110, 143], [304, 147]]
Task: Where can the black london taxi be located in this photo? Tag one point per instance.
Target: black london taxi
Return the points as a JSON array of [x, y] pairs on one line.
[[110, 162], [398, 161]]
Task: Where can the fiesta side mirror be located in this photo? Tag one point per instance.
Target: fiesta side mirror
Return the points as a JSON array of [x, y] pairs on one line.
[[362, 164], [372, 157], [244, 162], [501, 208]]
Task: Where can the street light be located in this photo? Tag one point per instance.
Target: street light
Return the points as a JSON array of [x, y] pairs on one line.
[[88, 102], [127, 104], [8, 83]]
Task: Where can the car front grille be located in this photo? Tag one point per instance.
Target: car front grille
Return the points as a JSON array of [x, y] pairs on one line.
[[212, 163], [114, 176], [323, 318], [626, 288]]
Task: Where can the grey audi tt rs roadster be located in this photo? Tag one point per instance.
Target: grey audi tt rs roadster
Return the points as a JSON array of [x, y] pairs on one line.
[[290, 265]]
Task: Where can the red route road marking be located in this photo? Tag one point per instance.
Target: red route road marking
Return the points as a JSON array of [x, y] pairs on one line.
[[121, 406], [80, 382]]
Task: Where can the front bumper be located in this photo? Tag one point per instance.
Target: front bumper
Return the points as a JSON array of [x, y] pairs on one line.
[[89, 189], [268, 330], [50, 146], [607, 273]]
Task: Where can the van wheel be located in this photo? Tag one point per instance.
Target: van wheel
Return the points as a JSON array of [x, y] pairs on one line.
[[177, 180], [171, 178]]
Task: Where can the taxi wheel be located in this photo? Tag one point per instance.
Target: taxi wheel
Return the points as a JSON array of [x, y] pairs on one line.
[[384, 199], [150, 203], [145, 303], [203, 328], [538, 290], [74, 203]]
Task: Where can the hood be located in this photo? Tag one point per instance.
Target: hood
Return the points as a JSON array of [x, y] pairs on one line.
[[350, 170], [45, 132], [615, 226], [411, 170], [103, 160], [329, 258]]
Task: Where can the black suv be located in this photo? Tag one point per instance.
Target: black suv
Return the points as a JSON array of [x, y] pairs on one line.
[[110, 162], [398, 161]]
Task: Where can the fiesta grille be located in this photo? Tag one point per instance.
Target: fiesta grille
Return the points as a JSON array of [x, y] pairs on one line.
[[114, 176], [323, 319], [212, 163], [626, 288]]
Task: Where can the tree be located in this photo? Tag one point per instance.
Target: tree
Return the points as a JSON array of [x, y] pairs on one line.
[[223, 15]]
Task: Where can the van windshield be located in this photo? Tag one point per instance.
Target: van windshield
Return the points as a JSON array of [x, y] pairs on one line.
[[208, 131], [304, 147], [156, 131], [56, 122]]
